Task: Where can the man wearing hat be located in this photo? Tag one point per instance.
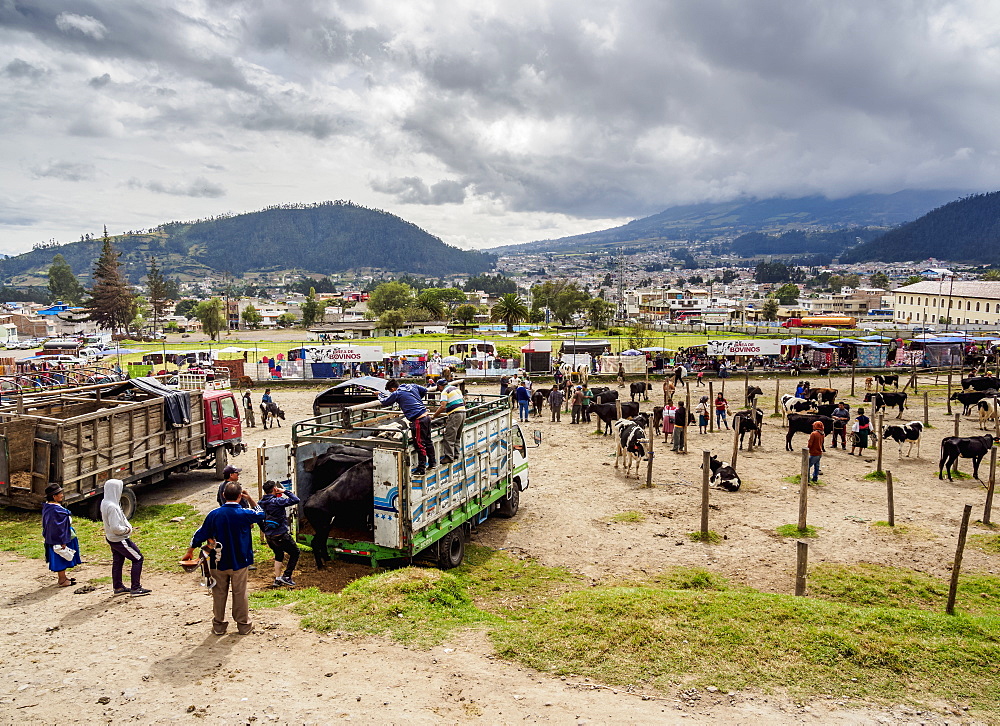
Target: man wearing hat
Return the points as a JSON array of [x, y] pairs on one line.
[[230, 473], [452, 406], [62, 548]]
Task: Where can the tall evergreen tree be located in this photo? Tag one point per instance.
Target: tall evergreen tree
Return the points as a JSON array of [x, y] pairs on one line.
[[110, 304], [158, 296], [212, 316], [312, 309], [63, 284]]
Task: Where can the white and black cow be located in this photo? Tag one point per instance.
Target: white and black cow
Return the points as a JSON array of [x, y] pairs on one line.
[[884, 380], [724, 476], [901, 433], [887, 400], [793, 404], [632, 444], [988, 411], [970, 447]]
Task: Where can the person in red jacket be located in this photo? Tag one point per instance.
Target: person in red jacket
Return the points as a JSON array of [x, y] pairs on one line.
[[816, 448]]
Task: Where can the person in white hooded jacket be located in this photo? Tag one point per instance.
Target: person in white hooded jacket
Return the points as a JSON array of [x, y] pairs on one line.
[[117, 531]]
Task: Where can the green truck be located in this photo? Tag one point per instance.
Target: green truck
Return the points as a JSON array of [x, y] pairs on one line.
[[411, 516]]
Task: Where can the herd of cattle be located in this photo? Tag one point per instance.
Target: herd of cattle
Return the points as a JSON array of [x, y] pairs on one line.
[[799, 414]]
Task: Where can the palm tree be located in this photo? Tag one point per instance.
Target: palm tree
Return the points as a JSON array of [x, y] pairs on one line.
[[509, 310]]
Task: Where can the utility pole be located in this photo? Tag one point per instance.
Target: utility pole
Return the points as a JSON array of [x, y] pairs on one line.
[[620, 269]]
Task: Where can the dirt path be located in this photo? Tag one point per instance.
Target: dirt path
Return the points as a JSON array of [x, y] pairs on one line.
[[153, 658]]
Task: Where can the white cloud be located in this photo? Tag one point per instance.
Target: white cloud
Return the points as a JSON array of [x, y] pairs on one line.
[[71, 23]]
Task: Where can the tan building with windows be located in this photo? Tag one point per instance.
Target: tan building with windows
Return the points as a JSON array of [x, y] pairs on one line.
[[965, 302]]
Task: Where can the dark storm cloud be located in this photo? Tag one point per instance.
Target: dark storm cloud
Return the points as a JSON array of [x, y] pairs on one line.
[[413, 190], [18, 68], [65, 170], [99, 81], [198, 187]]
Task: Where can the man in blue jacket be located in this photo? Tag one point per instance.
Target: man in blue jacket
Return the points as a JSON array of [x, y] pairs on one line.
[[275, 503], [410, 397], [230, 525]]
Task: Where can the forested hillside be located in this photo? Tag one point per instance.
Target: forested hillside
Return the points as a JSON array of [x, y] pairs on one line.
[[327, 237], [967, 230], [799, 242]]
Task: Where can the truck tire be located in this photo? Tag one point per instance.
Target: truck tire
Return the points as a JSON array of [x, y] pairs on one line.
[[510, 504], [451, 549], [127, 502], [221, 460]]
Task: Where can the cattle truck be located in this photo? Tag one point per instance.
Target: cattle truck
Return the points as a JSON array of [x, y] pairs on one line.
[[79, 438], [429, 515]]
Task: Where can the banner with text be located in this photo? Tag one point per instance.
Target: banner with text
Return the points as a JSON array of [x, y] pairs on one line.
[[346, 354], [744, 347]]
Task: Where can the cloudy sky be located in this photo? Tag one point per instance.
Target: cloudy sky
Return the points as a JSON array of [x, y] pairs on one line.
[[485, 122]]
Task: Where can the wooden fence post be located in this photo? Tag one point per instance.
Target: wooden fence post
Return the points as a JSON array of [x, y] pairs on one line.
[[949, 393], [804, 490], [957, 566], [852, 378], [988, 508], [705, 475], [878, 466], [711, 408], [777, 394], [649, 455], [888, 492], [927, 419], [801, 567], [746, 387], [687, 412], [957, 419], [736, 439]]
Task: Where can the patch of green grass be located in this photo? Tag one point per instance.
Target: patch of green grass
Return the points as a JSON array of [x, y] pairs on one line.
[[162, 542], [629, 516], [894, 528], [955, 474], [794, 479], [709, 537], [986, 542], [690, 578], [792, 530], [874, 476]]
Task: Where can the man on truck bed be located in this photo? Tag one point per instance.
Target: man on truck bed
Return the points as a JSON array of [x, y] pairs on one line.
[[452, 406], [410, 397]]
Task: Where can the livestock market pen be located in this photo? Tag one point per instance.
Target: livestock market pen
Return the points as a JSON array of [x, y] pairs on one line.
[[417, 515]]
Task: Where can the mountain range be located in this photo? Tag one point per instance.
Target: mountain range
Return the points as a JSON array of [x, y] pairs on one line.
[[327, 237]]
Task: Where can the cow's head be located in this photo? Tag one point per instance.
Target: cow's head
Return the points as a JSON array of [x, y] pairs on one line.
[[868, 397]]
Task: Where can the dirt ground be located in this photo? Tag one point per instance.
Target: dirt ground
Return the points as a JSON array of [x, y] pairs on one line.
[[87, 657]]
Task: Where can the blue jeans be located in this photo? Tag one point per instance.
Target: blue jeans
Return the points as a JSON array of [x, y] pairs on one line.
[[814, 465], [522, 410], [720, 419]]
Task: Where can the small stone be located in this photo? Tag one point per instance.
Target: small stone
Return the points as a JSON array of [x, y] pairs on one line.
[[178, 519], [711, 689], [547, 703], [329, 675], [190, 709], [105, 700]]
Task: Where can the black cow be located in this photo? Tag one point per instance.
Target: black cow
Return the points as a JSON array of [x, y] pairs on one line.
[[971, 447], [803, 423], [904, 432], [751, 397], [342, 495], [604, 395], [826, 395], [640, 388], [968, 399], [981, 383], [270, 412], [657, 419], [884, 380], [826, 409], [608, 413], [539, 397], [887, 400], [751, 420], [724, 476]]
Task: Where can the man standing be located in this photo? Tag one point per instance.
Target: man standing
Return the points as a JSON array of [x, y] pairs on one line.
[[230, 525], [410, 397], [229, 474], [248, 409], [841, 415], [275, 503], [815, 449], [117, 533], [577, 404], [523, 397], [556, 402], [452, 406], [588, 400]]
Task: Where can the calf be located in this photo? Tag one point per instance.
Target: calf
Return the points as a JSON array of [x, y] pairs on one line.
[[981, 383], [826, 395], [869, 384], [904, 432], [657, 419], [803, 423], [604, 395], [640, 388], [970, 398], [887, 400], [269, 412], [631, 444], [752, 393], [539, 397], [724, 476], [971, 447], [748, 421], [608, 413], [885, 380], [987, 411], [798, 405]]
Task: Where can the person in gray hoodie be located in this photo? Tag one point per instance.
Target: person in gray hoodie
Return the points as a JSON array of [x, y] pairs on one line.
[[117, 532]]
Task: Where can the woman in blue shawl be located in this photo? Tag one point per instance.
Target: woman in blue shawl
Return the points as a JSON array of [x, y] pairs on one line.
[[62, 548]]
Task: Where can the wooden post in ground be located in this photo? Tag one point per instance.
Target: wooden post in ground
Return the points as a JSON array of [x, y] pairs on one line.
[[736, 439], [927, 419], [853, 363], [988, 509], [711, 407], [957, 420], [888, 492], [746, 387], [878, 466], [949, 393], [959, 550], [804, 490], [687, 412], [723, 388], [706, 473], [777, 394], [801, 567], [649, 455]]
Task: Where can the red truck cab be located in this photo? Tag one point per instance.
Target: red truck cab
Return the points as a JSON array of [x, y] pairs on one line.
[[222, 418]]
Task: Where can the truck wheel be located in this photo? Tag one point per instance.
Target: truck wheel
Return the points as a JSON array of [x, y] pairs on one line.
[[451, 549], [510, 504], [127, 502], [221, 460]]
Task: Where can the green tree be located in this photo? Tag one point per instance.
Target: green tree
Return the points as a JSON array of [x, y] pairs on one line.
[[787, 294], [158, 297], [390, 296], [252, 317], [599, 312], [770, 309], [879, 280], [285, 320], [185, 308], [466, 314], [509, 352], [509, 310], [312, 309], [991, 275], [63, 284], [110, 304], [566, 301], [430, 300], [639, 336], [912, 280], [212, 317], [392, 320]]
